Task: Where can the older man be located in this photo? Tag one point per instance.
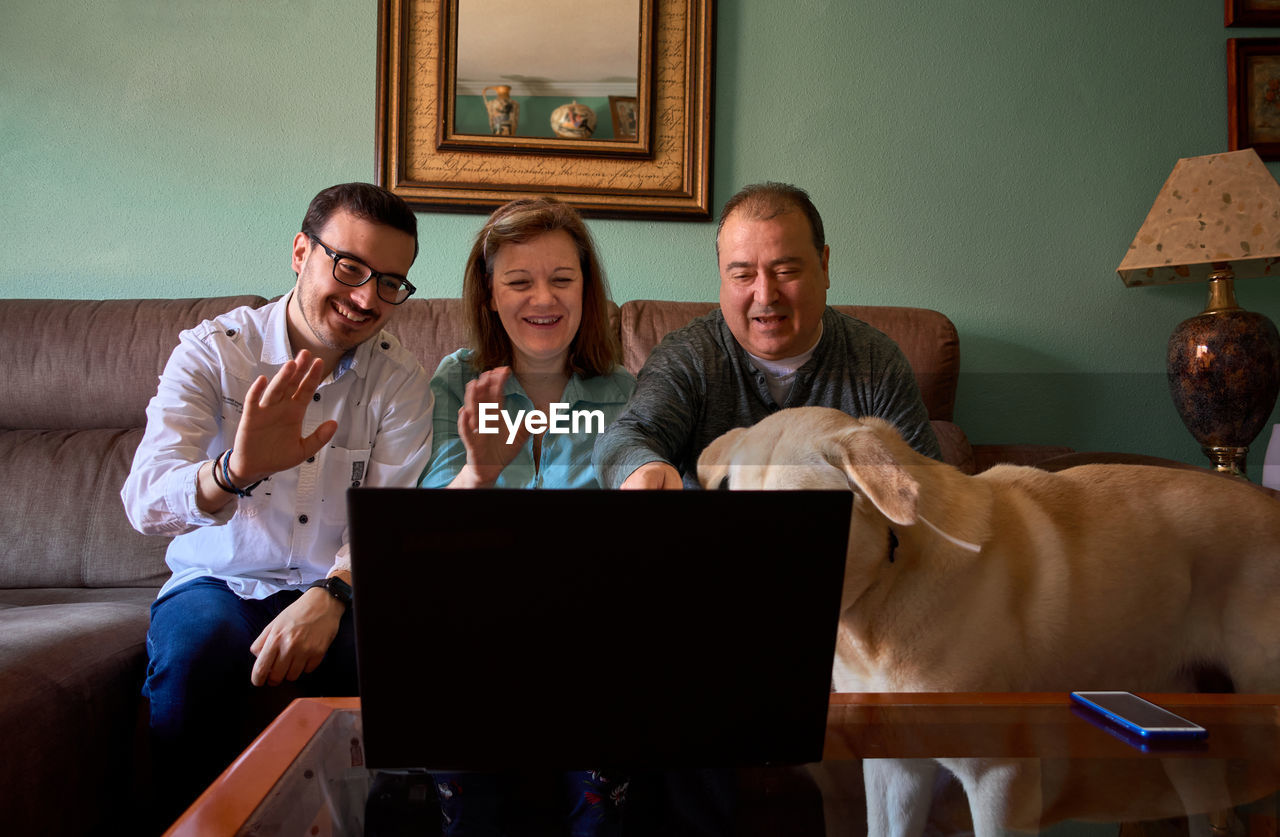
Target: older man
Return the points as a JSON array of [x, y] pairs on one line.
[[262, 420], [773, 343]]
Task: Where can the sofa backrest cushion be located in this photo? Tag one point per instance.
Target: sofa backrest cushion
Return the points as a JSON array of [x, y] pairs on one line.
[[77, 379], [430, 329], [927, 338], [63, 523], [77, 364]]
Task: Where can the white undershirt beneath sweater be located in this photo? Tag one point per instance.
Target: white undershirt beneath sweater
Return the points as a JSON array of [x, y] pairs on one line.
[[781, 374]]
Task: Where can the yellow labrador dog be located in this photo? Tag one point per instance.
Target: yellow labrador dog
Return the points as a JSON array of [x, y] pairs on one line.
[[1097, 577]]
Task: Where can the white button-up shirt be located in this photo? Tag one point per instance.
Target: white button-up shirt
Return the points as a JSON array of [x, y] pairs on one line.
[[292, 530]]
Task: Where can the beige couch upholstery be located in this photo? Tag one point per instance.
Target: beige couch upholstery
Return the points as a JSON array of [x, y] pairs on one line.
[[76, 581]]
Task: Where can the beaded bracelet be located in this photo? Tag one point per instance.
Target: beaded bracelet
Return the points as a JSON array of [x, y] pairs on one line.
[[218, 480], [225, 482], [226, 475]]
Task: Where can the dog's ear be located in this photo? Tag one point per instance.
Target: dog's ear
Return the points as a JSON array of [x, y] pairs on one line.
[[871, 468], [713, 464]]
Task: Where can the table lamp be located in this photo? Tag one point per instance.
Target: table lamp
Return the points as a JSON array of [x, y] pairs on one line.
[[1216, 219]]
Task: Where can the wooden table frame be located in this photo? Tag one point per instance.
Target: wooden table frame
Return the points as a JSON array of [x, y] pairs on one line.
[[858, 726]]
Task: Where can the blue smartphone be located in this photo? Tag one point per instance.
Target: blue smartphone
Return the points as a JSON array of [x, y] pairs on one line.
[[1140, 717]]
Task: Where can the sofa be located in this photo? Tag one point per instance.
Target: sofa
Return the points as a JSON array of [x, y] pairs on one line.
[[76, 580]]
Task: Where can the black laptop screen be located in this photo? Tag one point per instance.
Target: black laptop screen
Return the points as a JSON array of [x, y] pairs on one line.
[[572, 629]]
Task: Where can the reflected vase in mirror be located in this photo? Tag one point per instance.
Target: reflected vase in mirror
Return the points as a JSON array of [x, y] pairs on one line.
[[504, 112], [573, 121]]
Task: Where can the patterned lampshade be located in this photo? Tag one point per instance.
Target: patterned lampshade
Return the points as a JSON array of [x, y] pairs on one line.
[[1220, 209]]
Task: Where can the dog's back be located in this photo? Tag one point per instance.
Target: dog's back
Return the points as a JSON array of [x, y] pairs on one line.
[[1185, 557], [1100, 576]]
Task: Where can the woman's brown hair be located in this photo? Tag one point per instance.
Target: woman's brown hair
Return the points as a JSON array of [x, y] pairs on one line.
[[595, 349]]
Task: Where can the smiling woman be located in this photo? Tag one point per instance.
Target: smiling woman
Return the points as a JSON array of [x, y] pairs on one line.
[[537, 294], [544, 361], [537, 304]]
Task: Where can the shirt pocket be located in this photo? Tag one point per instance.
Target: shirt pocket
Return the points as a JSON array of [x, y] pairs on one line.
[[343, 468]]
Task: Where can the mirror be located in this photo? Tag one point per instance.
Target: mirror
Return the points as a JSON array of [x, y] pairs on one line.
[[512, 73], [641, 63], [554, 69]]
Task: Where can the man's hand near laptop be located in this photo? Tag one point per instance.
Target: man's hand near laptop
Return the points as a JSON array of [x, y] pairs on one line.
[[296, 641], [654, 475]]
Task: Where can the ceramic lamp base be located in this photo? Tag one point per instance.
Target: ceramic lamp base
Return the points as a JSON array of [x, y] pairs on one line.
[[1224, 375]]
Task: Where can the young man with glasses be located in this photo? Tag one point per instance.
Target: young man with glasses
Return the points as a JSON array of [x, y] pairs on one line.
[[262, 420]]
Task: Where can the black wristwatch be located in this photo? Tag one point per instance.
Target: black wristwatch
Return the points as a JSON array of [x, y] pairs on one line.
[[336, 587]]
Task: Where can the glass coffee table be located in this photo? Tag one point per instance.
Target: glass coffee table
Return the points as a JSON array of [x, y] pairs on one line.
[[1053, 769]]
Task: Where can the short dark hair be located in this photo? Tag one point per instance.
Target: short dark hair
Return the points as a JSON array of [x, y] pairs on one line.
[[373, 203], [763, 201], [594, 350]]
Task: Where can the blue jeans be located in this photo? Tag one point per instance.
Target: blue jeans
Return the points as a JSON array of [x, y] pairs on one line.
[[204, 710]]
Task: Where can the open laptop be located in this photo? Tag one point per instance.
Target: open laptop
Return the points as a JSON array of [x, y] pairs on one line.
[[500, 629]]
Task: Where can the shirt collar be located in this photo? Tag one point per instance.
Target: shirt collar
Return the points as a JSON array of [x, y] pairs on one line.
[[787, 365], [277, 351], [599, 389], [275, 343]]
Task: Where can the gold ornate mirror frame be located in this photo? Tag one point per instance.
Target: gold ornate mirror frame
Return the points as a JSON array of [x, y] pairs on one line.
[[666, 173]]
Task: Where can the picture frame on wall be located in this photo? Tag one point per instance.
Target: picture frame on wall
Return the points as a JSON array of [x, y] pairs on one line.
[[623, 111], [1252, 13], [664, 173], [1253, 95]]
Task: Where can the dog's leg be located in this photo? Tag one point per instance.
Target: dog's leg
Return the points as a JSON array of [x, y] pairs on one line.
[[844, 807], [899, 795], [1201, 785], [1250, 652], [1003, 794]]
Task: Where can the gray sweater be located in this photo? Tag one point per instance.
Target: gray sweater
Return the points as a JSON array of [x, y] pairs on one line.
[[699, 383]]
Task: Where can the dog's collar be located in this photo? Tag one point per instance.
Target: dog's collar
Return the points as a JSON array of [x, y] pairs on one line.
[[963, 544], [893, 540]]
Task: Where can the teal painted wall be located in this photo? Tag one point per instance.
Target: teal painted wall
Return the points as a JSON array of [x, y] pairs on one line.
[[991, 159]]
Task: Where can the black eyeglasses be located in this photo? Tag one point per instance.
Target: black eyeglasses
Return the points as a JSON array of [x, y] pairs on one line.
[[354, 273]]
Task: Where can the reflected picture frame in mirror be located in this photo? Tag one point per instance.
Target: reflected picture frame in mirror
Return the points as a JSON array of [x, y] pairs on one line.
[[663, 172], [625, 113]]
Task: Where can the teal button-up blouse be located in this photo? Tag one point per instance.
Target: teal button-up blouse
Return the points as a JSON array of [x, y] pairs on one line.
[[566, 457]]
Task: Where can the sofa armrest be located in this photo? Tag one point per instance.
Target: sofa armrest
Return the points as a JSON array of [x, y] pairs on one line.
[[955, 446], [985, 456]]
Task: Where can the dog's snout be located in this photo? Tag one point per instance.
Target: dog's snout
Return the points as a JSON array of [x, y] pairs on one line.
[[724, 483]]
